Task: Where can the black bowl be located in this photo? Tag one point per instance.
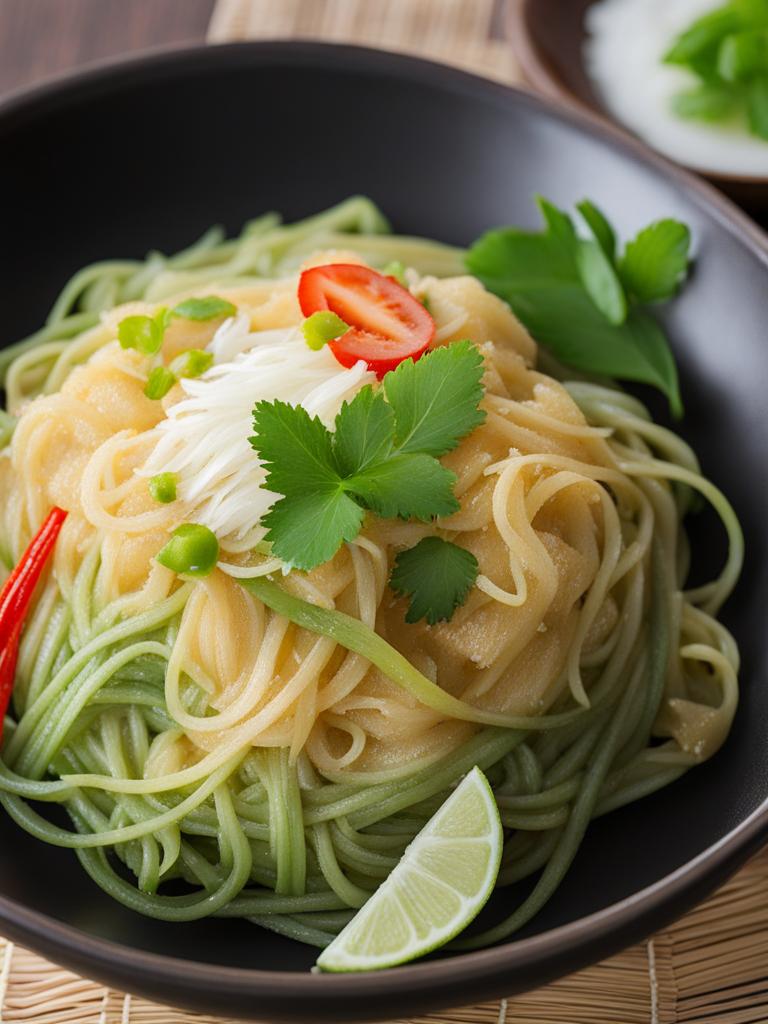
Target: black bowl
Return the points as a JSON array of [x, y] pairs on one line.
[[147, 154]]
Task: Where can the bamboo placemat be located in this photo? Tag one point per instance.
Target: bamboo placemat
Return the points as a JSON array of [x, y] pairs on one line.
[[711, 967]]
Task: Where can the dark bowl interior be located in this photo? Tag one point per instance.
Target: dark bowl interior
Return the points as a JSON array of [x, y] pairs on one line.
[[548, 37], [147, 155]]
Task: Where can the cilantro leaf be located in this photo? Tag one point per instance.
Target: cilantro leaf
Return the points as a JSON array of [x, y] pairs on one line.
[[327, 481], [410, 486], [435, 400], [295, 449], [364, 431], [308, 529], [656, 262], [437, 576]]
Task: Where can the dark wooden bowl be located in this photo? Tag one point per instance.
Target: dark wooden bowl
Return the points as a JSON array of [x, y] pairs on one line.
[[548, 39]]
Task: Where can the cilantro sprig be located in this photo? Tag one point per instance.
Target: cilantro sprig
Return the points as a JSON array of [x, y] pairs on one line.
[[382, 456], [585, 302], [727, 51]]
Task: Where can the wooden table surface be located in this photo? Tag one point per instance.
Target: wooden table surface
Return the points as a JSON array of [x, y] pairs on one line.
[[40, 38]]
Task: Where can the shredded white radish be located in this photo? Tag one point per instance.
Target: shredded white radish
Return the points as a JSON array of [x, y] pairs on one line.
[[204, 438]]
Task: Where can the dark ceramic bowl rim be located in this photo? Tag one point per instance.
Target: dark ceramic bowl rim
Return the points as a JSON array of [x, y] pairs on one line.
[[537, 71], [557, 951]]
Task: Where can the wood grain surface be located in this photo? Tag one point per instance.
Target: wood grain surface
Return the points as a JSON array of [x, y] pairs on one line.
[[40, 38]]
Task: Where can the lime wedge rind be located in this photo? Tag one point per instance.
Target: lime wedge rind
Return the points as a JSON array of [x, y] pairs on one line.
[[442, 882]]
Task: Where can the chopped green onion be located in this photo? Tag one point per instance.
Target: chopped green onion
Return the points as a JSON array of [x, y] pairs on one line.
[[193, 550], [322, 327], [163, 487], [396, 269], [144, 333], [160, 382], [208, 308], [191, 363]]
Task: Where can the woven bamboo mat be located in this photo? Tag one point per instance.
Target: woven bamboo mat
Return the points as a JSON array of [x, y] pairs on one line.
[[711, 967]]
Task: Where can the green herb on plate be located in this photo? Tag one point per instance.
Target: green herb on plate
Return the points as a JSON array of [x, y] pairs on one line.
[[582, 300], [382, 457], [437, 576], [726, 51]]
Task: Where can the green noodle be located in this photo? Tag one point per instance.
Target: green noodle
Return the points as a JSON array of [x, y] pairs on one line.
[[259, 835]]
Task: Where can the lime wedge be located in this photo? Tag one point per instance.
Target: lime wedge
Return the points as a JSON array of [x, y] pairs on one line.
[[442, 882]]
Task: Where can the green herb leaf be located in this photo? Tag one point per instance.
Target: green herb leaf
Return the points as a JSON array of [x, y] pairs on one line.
[[727, 50], [364, 431], [192, 550], [538, 275], [159, 383], [409, 486], [306, 530], [601, 229], [210, 307], [437, 576], [601, 282], [757, 107], [435, 400], [327, 480], [743, 55], [705, 103], [655, 263], [163, 487], [752, 12], [144, 333], [560, 225], [192, 363], [295, 449], [322, 327], [705, 34]]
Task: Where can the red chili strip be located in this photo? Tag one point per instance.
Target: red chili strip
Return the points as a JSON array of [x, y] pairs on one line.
[[16, 597]]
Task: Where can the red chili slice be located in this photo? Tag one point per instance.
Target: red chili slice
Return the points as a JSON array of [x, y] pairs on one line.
[[16, 597], [386, 323]]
